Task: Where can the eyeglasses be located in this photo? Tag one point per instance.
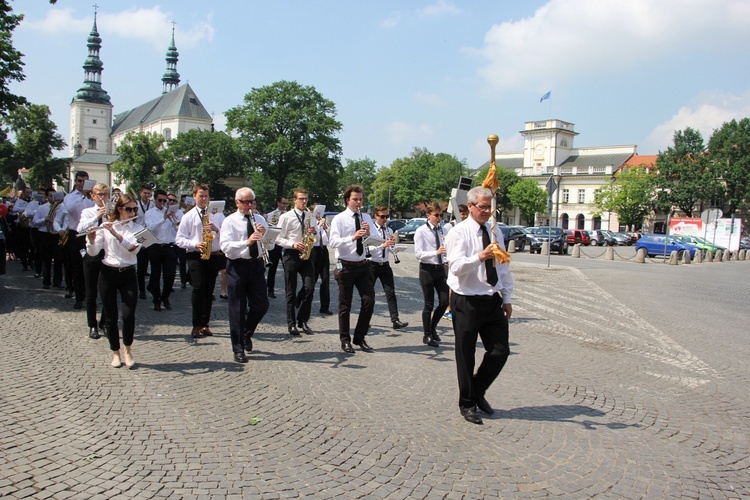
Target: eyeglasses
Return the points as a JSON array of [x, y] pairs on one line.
[[246, 202], [382, 216], [101, 194], [437, 215], [79, 180], [130, 210], [172, 200], [161, 200], [483, 208]]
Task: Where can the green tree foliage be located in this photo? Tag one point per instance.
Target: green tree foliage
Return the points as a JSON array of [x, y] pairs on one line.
[[361, 172], [630, 196], [729, 152], [289, 133], [141, 159], [202, 156], [506, 178], [529, 198], [684, 176], [8, 164], [36, 139], [11, 65]]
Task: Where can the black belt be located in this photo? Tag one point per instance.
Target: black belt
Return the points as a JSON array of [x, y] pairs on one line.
[[163, 245], [120, 269], [354, 263], [379, 263], [431, 266], [251, 259]]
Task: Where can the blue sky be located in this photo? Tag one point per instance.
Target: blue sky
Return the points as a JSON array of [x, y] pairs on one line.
[[437, 74]]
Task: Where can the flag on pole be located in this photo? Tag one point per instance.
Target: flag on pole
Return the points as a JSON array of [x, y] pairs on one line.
[[546, 96]]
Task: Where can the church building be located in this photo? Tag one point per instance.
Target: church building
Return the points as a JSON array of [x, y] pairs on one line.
[[95, 135]]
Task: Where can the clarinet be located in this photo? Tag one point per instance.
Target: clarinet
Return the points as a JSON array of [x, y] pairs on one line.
[[364, 242], [261, 249]]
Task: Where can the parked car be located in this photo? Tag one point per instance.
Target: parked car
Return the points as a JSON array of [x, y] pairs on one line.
[[703, 244], [664, 245], [601, 238], [515, 233], [576, 236], [396, 224], [557, 240], [406, 233], [622, 238], [745, 243]]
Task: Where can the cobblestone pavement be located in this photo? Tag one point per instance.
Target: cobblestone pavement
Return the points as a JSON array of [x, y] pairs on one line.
[[625, 380]]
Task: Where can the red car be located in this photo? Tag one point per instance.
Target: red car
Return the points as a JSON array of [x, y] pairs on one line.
[[578, 236]]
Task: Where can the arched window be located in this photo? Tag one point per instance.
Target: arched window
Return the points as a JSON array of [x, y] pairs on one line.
[[565, 220], [580, 221], [596, 222], [92, 143], [167, 134]]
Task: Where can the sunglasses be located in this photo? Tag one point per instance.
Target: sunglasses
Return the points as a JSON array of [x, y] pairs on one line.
[[131, 210], [246, 202], [161, 200], [172, 200], [382, 216]]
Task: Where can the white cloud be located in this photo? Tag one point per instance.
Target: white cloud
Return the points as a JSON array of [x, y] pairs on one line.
[[439, 8], [707, 112], [400, 133], [150, 25], [568, 39], [431, 100], [392, 21]]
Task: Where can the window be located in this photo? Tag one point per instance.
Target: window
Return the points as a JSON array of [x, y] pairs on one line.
[[581, 220], [167, 134], [565, 221], [94, 121], [92, 143], [566, 195], [581, 196], [564, 143]]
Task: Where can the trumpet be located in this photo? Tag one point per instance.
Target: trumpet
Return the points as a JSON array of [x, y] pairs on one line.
[[396, 260], [261, 249]]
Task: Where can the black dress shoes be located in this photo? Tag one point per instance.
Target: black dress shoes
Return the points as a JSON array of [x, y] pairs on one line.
[[303, 326], [167, 304], [271, 294], [471, 415], [157, 306], [347, 347], [427, 339], [248, 343], [240, 357], [78, 305], [293, 331], [397, 325], [68, 294], [435, 336], [142, 295], [326, 312], [363, 345], [94, 333], [484, 406]]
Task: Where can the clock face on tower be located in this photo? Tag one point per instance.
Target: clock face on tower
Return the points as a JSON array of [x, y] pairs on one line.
[[539, 150]]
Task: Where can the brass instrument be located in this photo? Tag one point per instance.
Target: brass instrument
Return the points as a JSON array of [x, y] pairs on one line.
[[208, 238], [275, 217], [308, 238], [64, 238], [51, 216], [396, 260]]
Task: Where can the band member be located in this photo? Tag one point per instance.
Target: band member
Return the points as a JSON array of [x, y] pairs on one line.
[[118, 275], [380, 265], [62, 227], [352, 270], [22, 229], [179, 252], [76, 202], [90, 218], [144, 205], [46, 240], [481, 303], [29, 214], [246, 279], [195, 237], [162, 223], [322, 265], [430, 252], [463, 211], [275, 254]]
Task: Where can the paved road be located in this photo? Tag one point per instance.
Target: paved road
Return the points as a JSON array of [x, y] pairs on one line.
[[625, 380]]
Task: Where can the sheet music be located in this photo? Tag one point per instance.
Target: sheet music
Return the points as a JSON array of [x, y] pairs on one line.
[[145, 238], [216, 207], [269, 237]]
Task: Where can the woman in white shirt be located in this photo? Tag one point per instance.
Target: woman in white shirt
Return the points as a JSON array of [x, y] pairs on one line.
[[118, 274]]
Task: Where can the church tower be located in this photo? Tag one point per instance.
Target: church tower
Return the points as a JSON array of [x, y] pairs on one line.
[[171, 77], [90, 109]]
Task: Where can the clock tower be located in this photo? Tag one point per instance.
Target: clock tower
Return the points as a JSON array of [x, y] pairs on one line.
[[547, 143]]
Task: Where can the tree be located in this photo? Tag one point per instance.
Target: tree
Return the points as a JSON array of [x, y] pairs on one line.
[[529, 198], [8, 164], [729, 153], [202, 156], [685, 178], [361, 172], [36, 139], [288, 132], [630, 196], [506, 178], [140, 159], [11, 65]]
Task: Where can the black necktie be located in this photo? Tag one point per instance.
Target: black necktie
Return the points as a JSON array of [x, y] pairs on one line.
[[491, 271], [357, 227], [437, 244], [385, 237], [203, 212], [250, 231]]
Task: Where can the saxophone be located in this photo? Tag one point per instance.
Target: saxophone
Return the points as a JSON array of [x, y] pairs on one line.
[[48, 223], [208, 237], [308, 239]]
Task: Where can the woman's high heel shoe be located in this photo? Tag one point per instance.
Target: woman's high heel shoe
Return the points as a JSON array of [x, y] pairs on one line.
[[116, 363]]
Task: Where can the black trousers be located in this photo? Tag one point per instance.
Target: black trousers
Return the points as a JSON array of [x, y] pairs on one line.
[[23, 245], [91, 269], [349, 277], [59, 256], [322, 265], [384, 273], [274, 256], [432, 279], [182, 263], [203, 277], [143, 259], [46, 244], [34, 255], [75, 245], [247, 299], [293, 266], [111, 282], [163, 265], [480, 315], [66, 264]]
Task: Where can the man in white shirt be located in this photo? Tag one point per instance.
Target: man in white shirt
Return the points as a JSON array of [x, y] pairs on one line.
[[161, 222], [380, 265], [481, 303], [348, 230], [430, 252], [322, 265], [46, 241], [22, 230], [144, 205], [247, 302], [76, 202], [275, 253]]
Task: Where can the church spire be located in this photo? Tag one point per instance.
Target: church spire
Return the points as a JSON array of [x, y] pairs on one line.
[[92, 90], [171, 77]]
